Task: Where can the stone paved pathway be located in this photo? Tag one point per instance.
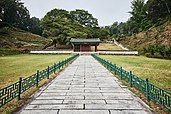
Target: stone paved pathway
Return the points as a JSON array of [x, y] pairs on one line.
[[86, 87]]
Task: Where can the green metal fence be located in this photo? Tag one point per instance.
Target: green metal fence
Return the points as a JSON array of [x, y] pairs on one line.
[[15, 90], [152, 92]]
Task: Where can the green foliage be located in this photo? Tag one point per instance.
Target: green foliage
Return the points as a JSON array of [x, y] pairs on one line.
[[119, 30], [84, 18], [4, 52], [14, 13], [143, 16], [137, 23], [158, 9], [34, 26], [4, 31], [158, 51], [139, 15], [58, 23], [104, 33], [63, 25]]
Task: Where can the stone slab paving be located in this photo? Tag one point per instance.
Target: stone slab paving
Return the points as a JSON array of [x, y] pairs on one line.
[[86, 87]]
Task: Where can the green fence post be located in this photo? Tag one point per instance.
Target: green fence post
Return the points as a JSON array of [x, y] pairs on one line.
[[115, 69], [37, 78], [130, 73], [59, 64], [162, 94], [65, 62], [107, 63], [62, 64], [169, 101], [54, 68], [121, 72], [19, 88], [147, 89], [110, 66], [48, 73]]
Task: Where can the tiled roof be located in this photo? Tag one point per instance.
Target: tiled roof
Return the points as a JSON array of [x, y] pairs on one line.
[[81, 40]]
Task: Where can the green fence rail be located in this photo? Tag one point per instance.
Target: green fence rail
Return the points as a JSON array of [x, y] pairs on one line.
[[15, 90], [152, 92]]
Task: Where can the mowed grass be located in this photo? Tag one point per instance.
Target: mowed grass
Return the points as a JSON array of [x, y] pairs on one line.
[[158, 71], [15, 66], [107, 46]]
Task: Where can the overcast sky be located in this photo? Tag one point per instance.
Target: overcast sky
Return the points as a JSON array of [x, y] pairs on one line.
[[106, 11]]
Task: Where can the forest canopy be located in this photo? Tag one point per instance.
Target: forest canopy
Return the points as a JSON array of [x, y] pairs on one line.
[[62, 25], [14, 13], [143, 16], [58, 24]]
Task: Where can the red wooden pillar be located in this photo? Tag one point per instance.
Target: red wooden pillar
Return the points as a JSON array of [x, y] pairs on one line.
[[95, 48], [73, 47]]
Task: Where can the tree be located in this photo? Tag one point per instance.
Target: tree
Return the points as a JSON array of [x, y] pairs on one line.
[[139, 15], [136, 23], [57, 13], [54, 21], [34, 26], [14, 13], [104, 32], [1, 11], [63, 25], [158, 9], [84, 18], [143, 16], [113, 29]]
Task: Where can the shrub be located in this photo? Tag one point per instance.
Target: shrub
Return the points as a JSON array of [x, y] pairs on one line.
[[7, 51], [157, 51], [4, 31]]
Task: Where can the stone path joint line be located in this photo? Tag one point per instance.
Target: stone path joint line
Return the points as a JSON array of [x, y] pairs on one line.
[[86, 87]]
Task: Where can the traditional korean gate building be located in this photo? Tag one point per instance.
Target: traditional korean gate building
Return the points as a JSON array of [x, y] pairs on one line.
[[84, 45]]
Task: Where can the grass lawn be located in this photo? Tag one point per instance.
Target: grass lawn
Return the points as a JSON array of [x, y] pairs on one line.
[[107, 46], [158, 71], [15, 66]]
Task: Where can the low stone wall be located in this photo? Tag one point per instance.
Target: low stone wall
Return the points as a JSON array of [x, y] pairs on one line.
[[87, 53], [118, 52], [51, 52]]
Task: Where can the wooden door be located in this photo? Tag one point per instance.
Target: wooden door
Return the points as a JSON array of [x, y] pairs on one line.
[[85, 48]]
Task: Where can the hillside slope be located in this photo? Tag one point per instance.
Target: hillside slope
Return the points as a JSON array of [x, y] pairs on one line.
[[14, 41], [160, 35]]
